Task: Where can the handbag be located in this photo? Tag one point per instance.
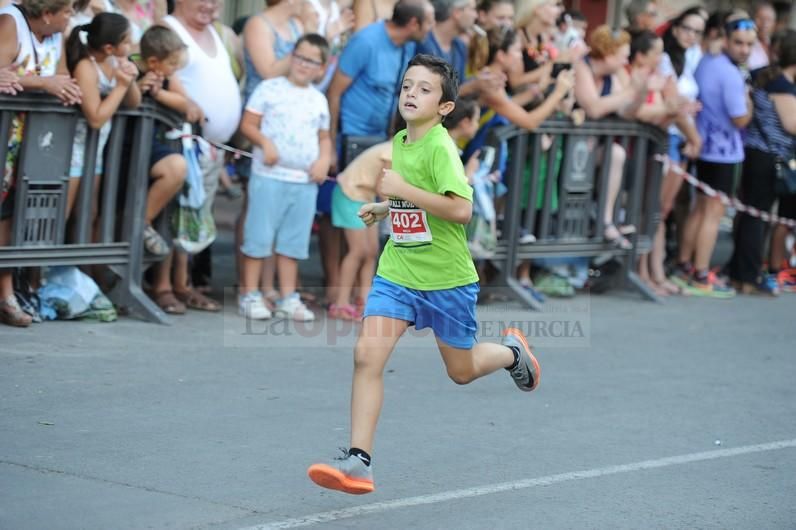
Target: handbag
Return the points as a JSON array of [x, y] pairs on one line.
[[785, 171], [784, 168]]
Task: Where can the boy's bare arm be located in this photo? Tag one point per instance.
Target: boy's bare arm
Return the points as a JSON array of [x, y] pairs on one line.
[[374, 212], [177, 98], [250, 128], [450, 207], [319, 171]]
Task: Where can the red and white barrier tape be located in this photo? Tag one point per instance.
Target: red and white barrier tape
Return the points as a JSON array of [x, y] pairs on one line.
[[707, 190], [727, 201], [237, 152]]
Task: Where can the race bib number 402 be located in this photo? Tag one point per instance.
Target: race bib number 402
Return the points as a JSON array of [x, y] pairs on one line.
[[408, 223]]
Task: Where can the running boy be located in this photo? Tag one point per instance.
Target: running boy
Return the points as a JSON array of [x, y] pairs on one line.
[[425, 276]]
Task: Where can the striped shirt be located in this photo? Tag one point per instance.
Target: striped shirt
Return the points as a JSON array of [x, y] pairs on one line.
[[776, 140]]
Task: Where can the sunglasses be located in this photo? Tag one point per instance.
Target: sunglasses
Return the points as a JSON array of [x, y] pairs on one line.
[[742, 25]]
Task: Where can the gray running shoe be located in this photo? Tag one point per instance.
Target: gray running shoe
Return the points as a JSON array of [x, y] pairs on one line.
[[527, 372], [346, 473]]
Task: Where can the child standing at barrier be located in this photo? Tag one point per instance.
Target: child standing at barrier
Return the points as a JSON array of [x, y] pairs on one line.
[[96, 55], [162, 54], [287, 120], [426, 276], [356, 186]]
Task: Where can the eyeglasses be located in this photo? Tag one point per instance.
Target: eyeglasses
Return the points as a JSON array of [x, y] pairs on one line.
[[306, 60], [742, 24], [695, 32]]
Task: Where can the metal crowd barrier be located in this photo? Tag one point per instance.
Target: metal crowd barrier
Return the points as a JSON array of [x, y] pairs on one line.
[[39, 224], [576, 228]]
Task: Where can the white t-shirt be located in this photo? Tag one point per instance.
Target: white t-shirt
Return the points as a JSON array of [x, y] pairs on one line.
[[686, 82], [291, 118], [210, 82]]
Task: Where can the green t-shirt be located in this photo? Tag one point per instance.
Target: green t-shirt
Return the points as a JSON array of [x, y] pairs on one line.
[[425, 252]]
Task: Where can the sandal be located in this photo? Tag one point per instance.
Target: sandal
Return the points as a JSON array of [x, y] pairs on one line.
[[345, 312], [12, 314], [196, 300], [669, 287], [154, 243], [613, 236], [167, 301]]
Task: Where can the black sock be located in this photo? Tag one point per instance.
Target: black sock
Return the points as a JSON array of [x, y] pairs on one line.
[[701, 276], [773, 271], [359, 453], [516, 351]]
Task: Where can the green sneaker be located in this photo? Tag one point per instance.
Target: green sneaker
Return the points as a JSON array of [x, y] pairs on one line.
[[347, 473], [710, 288]]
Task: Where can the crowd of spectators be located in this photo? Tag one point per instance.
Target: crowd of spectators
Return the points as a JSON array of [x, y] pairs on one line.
[[302, 78]]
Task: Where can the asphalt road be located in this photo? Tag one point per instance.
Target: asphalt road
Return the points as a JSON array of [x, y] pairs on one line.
[[208, 424]]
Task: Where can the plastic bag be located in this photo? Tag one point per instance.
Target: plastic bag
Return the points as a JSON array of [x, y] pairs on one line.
[[69, 290], [481, 238], [193, 192], [194, 229]]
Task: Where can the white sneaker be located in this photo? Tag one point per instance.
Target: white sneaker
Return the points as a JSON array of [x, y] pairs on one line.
[[252, 306], [292, 307]]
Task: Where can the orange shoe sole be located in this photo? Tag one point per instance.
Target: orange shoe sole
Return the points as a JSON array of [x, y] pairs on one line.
[[518, 334], [331, 478]]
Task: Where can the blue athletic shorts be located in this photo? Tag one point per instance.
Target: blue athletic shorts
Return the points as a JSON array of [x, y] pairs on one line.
[[450, 313]]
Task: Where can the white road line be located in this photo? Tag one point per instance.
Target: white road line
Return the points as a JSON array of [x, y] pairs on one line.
[[376, 507]]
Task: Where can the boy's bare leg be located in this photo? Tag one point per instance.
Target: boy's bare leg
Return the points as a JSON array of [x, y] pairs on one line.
[[288, 275], [377, 339], [168, 177], [268, 275], [181, 275], [465, 366], [251, 268]]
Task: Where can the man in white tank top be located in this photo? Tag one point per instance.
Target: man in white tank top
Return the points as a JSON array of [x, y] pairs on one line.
[[207, 77]]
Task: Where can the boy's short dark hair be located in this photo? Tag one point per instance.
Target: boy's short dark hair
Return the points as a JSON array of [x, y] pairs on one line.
[[448, 78], [160, 42], [313, 39], [464, 109]]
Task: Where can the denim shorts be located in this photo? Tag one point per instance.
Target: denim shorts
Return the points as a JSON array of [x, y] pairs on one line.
[[450, 313], [279, 218], [675, 144]]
